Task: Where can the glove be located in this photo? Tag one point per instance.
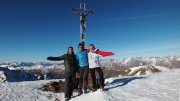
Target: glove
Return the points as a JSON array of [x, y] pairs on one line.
[[113, 53], [49, 58]]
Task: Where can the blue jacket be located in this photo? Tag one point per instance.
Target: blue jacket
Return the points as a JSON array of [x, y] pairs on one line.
[[82, 58]]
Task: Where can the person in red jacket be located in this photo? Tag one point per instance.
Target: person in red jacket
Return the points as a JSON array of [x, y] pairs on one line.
[[94, 65], [102, 53]]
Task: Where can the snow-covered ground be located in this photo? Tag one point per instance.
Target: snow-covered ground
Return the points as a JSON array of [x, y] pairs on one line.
[[162, 86]]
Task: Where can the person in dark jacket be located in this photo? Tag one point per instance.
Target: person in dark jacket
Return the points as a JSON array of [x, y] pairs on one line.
[[82, 61], [70, 63]]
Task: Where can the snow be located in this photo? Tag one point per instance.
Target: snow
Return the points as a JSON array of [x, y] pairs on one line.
[[7, 66], [168, 61], [162, 68], [109, 64], [178, 59], [4, 65], [162, 86], [138, 73], [134, 69], [128, 60], [2, 72], [109, 80], [148, 71], [2, 77], [17, 75]]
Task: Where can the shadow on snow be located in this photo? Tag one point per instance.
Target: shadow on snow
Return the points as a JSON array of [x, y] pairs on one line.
[[123, 81]]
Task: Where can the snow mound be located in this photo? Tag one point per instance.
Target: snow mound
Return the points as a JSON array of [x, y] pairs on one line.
[[109, 80], [162, 68], [142, 70], [2, 77], [8, 66], [16, 75]]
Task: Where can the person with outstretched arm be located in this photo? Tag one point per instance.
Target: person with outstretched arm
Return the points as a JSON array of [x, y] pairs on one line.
[[70, 63], [94, 65], [82, 61]]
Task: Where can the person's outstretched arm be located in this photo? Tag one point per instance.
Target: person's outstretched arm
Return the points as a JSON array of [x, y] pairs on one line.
[[104, 53], [56, 58], [87, 50]]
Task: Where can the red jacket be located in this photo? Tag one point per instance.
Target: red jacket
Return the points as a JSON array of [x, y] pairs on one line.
[[102, 52]]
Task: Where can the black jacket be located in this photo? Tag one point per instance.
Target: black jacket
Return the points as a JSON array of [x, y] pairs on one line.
[[70, 62]]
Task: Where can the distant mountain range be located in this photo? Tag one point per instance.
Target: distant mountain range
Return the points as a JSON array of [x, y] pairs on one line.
[[123, 63], [29, 64], [115, 64], [56, 70]]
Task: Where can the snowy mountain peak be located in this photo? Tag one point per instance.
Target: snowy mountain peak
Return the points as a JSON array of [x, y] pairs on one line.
[[141, 70], [124, 63], [128, 60], [9, 75]]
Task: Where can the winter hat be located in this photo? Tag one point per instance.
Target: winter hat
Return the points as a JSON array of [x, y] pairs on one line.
[[71, 48], [92, 45], [80, 44]]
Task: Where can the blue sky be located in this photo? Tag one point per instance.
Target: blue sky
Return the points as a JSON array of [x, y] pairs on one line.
[[31, 30]]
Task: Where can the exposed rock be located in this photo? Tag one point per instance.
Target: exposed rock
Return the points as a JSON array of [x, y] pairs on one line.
[[142, 70]]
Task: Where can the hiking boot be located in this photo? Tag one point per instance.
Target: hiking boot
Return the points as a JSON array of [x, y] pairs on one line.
[[94, 89], [72, 96], [79, 93], [102, 88], [67, 99], [85, 91]]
